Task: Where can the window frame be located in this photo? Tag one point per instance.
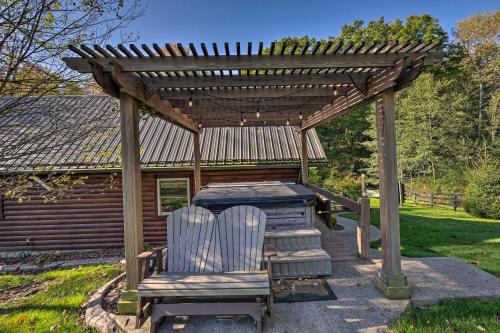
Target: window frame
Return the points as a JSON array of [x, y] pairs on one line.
[[158, 195]]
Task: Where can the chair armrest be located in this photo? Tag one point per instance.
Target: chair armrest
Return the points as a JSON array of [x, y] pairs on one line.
[[158, 251], [144, 261], [144, 255], [269, 251]]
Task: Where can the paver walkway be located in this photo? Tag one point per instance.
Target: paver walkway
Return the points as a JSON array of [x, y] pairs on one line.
[[360, 306]]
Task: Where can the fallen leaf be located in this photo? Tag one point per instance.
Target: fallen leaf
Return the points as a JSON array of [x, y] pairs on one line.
[[21, 318]]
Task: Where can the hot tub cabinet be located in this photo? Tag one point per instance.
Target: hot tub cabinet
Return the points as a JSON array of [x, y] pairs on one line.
[[285, 204], [290, 222]]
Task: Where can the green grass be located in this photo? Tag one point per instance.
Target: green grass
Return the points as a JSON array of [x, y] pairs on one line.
[[56, 307], [459, 315], [427, 232]]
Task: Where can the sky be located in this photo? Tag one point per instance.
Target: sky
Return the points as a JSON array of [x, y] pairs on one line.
[[221, 21]]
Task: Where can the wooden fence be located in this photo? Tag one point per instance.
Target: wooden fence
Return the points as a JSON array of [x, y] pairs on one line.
[[362, 207], [454, 200]]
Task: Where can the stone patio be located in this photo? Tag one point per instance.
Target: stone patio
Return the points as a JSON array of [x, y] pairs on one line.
[[360, 306]]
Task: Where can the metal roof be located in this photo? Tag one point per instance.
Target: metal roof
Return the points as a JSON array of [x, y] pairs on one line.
[[83, 132]]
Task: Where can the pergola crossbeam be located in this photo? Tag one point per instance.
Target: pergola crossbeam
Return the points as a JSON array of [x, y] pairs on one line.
[[260, 93], [256, 80], [386, 79], [129, 84], [248, 62]]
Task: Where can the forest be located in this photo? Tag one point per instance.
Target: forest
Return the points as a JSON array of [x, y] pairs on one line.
[[447, 121]]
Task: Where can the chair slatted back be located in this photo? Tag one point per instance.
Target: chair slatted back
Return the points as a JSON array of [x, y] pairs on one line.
[[193, 242], [242, 232]]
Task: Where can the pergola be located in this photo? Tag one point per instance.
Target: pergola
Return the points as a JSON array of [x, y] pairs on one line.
[[302, 86]]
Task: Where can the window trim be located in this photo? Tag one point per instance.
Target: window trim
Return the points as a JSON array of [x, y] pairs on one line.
[[158, 196]]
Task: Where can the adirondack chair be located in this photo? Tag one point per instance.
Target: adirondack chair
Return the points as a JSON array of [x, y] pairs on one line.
[[214, 267]]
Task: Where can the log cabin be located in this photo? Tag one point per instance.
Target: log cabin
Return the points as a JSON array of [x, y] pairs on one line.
[[79, 136]]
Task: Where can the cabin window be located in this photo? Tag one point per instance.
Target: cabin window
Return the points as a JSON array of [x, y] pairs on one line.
[[173, 193]]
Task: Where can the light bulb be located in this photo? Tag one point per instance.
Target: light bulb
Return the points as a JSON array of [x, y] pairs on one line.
[[288, 122], [300, 115], [241, 122], [335, 92], [244, 119], [190, 103], [257, 114], [199, 125]]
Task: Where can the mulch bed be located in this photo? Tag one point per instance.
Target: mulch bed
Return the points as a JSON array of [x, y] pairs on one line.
[[53, 256], [110, 300], [302, 290]]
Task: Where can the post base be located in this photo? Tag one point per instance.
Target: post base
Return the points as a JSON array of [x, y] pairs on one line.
[[128, 303], [393, 287]]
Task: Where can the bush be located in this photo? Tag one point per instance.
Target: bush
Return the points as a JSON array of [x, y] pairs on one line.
[[349, 187], [482, 193]]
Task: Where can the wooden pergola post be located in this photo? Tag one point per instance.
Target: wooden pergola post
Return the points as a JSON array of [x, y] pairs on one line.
[[390, 280], [304, 158], [132, 199], [197, 162]]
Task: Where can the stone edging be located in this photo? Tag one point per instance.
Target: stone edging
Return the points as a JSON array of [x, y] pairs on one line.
[[58, 264], [95, 316]]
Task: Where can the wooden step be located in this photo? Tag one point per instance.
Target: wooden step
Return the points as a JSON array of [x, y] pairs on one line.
[[293, 239], [303, 263]]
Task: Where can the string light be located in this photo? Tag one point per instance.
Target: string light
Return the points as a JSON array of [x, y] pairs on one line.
[[335, 92], [199, 125], [288, 122], [258, 110], [190, 103], [300, 116], [241, 122], [244, 119]]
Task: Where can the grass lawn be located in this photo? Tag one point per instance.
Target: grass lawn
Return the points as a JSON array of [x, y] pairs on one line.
[[427, 232], [49, 301], [460, 315]]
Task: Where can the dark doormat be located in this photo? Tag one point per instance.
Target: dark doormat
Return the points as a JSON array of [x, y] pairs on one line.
[[304, 290]]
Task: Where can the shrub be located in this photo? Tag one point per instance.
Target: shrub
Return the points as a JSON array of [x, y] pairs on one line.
[[349, 187], [482, 193]]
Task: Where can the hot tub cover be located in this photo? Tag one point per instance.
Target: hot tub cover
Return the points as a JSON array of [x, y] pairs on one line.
[[217, 197]]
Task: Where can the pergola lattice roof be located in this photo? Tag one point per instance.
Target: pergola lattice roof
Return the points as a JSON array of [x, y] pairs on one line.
[[300, 86]]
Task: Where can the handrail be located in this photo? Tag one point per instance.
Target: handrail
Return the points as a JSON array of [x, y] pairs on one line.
[[363, 225], [345, 202]]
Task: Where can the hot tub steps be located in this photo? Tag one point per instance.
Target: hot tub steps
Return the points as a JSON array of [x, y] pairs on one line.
[[302, 263], [293, 239]]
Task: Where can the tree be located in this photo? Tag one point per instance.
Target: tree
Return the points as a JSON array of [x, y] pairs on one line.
[[423, 28], [479, 34], [34, 36]]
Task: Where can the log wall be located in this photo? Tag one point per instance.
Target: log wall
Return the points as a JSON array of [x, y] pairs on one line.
[[93, 218]]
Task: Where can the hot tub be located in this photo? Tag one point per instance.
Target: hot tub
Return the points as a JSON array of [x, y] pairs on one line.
[[285, 203]]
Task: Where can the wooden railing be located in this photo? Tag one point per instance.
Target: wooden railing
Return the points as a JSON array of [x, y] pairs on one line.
[[436, 199], [362, 207]]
